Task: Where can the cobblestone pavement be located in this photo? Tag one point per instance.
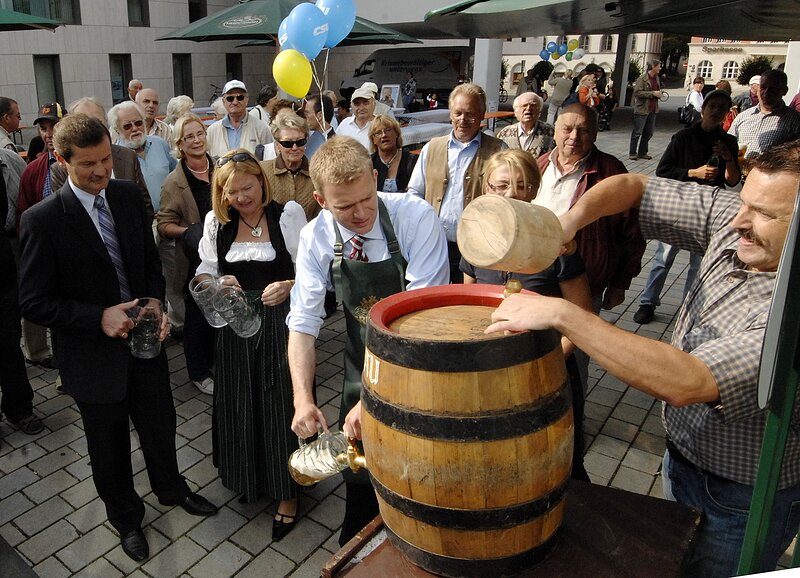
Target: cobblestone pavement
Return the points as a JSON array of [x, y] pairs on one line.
[[51, 515]]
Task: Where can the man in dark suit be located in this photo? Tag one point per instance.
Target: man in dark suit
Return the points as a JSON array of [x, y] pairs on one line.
[[124, 161], [87, 252]]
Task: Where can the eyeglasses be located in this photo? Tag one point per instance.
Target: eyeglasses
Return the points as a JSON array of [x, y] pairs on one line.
[[194, 137], [503, 187], [237, 158], [232, 97], [384, 131], [287, 144], [136, 123]]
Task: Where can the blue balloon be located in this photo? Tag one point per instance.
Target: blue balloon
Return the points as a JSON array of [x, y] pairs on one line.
[[562, 49], [341, 16], [283, 35], [552, 47], [544, 55], [307, 29]]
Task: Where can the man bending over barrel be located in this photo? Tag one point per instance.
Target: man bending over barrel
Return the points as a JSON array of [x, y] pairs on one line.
[[708, 377], [366, 246]]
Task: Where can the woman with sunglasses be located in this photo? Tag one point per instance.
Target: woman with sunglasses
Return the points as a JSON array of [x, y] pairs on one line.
[[287, 173], [243, 240], [185, 201], [394, 165], [514, 174]]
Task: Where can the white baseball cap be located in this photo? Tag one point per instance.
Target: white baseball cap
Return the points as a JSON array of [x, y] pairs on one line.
[[362, 92], [370, 86], [233, 85], [755, 79]]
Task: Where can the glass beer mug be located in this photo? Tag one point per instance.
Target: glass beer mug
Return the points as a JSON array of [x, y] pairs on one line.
[[203, 289], [329, 454], [146, 315], [231, 304]]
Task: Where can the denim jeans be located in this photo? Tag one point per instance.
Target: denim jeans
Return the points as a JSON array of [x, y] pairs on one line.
[[643, 126], [662, 263], [725, 505], [552, 112]]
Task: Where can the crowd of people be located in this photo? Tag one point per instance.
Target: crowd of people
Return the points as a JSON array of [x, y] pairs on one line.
[[300, 207]]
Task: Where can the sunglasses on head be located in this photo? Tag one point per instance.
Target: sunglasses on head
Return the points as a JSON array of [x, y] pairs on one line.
[[136, 123], [237, 158], [287, 144], [232, 97]]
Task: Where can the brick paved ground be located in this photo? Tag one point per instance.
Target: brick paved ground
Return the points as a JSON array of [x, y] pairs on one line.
[[51, 516]]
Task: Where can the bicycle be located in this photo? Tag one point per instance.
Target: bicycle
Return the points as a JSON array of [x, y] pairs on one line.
[[503, 94], [214, 95]]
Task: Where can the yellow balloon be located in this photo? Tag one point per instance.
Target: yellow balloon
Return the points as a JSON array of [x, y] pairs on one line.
[[292, 72], [572, 44], [555, 56]]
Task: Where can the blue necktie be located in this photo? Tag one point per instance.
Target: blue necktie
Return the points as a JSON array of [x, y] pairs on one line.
[[109, 235]]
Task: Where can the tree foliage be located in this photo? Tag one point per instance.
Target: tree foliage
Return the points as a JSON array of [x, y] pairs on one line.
[[503, 69], [749, 67], [673, 47], [634, 70]]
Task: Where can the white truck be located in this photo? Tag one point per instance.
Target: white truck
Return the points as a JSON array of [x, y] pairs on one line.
[[435, 68]]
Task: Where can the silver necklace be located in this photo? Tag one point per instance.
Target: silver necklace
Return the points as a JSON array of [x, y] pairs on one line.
[[389, 164]]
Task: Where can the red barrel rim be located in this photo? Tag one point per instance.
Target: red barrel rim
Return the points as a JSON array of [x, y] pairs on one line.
[[387, 310]]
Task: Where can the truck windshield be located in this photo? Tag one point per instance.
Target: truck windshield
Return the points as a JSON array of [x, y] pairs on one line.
[[366, 68]]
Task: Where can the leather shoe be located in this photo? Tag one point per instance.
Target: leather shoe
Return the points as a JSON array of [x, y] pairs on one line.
[[280, 527], [633, 157], [646, 157], [196, 505], [645, 314], [134, 544]]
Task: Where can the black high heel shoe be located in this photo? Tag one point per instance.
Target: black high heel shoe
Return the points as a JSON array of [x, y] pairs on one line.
[[280, 527]]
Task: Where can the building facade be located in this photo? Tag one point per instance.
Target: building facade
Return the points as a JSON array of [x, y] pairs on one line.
[[600, 49], [715, 59]]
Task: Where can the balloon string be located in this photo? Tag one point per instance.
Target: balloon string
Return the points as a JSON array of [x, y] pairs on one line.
[[319, 81]]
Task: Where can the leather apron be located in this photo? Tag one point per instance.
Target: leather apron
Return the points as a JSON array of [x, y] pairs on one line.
[[359, 285]]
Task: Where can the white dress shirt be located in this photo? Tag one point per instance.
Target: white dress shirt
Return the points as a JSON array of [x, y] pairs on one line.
[[348, 127], [557, 189], [459, 157], [418, 232]]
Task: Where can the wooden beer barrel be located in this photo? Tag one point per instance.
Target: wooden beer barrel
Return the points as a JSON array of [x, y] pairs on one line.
[[468, 436]]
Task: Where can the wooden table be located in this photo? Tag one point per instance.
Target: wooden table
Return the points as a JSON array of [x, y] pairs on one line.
[[495, 115], [606, 533]]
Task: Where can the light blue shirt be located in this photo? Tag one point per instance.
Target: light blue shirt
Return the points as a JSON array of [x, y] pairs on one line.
[[234, 134], [157, 163], [315, 140], [418, 232], [459, 157]]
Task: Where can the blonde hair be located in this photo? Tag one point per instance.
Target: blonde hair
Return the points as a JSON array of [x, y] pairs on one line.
[[520, 164], [381, 122], [222, 178], [290, 121], [470, 90], [340, 160], [177, 132]]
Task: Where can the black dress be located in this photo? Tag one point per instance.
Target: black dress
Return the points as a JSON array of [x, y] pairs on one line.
[[407, 163], [253, 391]]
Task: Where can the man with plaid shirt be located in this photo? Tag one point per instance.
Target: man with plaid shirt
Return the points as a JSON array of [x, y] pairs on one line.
[[708, 377]]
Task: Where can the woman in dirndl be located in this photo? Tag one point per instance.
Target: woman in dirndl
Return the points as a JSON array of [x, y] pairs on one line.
[[245, 241]]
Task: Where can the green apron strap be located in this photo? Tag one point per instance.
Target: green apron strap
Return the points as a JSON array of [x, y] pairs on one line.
[[391, 242]]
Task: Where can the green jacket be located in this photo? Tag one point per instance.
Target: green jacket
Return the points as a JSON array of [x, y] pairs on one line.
[[642, 94]]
